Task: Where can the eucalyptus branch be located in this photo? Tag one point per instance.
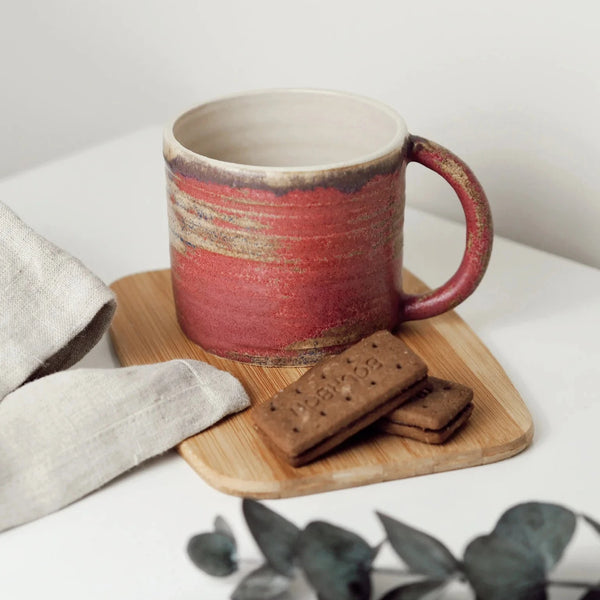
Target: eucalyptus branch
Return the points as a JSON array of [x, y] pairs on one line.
[[572, 584], [252, 560], [338, 564], [394, 571]]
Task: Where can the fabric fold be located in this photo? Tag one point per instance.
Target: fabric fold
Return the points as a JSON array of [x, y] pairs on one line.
[[53, 310], [65, 435]]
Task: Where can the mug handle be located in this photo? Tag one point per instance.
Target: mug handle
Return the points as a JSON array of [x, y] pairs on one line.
[[479, 232]]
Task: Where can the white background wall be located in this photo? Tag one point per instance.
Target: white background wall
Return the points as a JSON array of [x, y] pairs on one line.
[[511, 86]]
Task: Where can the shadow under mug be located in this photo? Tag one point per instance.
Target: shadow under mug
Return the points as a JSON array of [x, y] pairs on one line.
[[286, 210]]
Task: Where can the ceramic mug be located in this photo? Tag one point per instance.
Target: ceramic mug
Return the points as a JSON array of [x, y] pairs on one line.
[[286, 210]]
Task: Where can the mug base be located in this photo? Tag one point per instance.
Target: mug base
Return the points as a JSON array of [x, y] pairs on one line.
[[276, 358], [291, 356]]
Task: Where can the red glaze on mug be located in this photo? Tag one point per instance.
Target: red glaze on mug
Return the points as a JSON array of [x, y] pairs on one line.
[[286, 212]]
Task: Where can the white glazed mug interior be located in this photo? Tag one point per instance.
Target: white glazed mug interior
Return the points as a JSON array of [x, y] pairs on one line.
[[291, 130]]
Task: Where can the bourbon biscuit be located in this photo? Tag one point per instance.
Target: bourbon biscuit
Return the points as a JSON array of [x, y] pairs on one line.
[[433, 414], [338, 397]]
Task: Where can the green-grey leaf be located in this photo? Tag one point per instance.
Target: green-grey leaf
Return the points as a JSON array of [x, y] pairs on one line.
[[222, 526], [375, 549], [498, 569], [592, 522], [275, 536], [214, 553], [336, 562], [543, 529], [263, 583], [422, 553], [418, 590]]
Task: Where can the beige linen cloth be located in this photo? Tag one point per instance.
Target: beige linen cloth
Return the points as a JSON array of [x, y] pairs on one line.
[[65, 433]]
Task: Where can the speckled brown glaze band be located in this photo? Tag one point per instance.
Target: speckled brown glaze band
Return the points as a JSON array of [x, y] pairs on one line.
[[286, 211]]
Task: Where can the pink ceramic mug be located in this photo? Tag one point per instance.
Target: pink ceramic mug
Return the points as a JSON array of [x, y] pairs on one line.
[[286, 210]]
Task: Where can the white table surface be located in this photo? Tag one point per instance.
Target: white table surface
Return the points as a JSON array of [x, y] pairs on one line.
[[539, 314]]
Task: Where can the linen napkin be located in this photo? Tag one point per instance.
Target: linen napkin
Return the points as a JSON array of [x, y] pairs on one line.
[[64, 433], [67, 434], [52, 309]]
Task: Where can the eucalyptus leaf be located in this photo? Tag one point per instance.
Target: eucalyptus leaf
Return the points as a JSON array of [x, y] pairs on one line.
[[222, 526], [418, 590], [592, 522], [375, 549], [499, 568], [263, 583], [545, 529], [336, 562], [276, 537], [422, 553], [214, 553]]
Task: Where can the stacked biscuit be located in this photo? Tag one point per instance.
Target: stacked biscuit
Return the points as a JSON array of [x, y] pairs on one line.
[[379, 379]]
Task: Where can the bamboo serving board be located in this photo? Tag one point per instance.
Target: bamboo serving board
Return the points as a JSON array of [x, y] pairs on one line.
[[230, 457]]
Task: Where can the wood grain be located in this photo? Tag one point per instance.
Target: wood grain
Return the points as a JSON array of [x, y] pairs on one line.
[[230, 456]]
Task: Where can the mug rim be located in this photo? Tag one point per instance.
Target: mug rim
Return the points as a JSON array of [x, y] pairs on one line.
[[172, 147]]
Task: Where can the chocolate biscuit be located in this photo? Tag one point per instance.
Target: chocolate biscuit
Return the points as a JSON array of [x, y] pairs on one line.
[[338, 397], [433, 414]]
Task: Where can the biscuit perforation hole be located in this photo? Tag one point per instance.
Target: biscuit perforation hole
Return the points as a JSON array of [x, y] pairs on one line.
[[296, 430], [348, 398], [349, 360], [374, 345], [298, 391], [273, 408], [323, 413], [373, 383], [398, 366]]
